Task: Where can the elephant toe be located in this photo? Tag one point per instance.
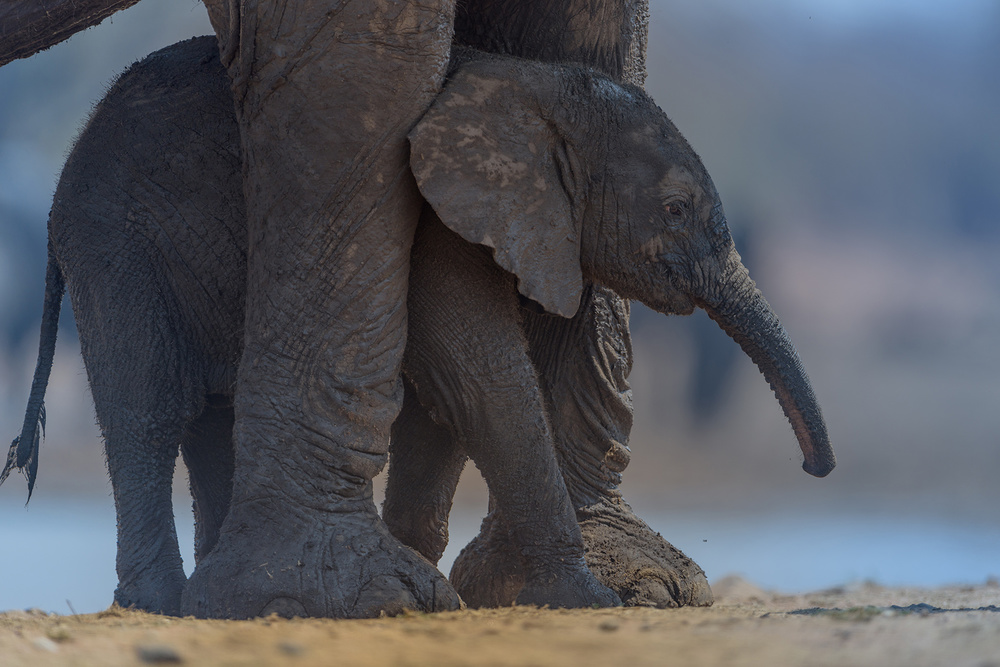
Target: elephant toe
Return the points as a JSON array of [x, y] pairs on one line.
[[637, 563], [574, 588], [336, 565], [159, 595], [490, 572], [487, 573]]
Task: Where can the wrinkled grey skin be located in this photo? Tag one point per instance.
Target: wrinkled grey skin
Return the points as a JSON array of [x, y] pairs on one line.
[[702, 270], [331, 214], [583, 364], [645, 218], [307, 391], [322, 52], [143, 193], [314, 399], [160, 212]]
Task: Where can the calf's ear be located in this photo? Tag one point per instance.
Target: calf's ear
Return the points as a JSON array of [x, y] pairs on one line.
[[497, 173]]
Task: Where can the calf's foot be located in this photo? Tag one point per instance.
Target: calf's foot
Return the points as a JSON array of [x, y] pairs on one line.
[[636, 562], [568, 584], [490, 572], [623, 553], [157, 593]]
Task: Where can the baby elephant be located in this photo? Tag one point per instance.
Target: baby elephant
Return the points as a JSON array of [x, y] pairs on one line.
[[542, 175]]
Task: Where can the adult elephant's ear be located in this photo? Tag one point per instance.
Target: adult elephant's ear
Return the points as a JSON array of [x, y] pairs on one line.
[[497, 173]]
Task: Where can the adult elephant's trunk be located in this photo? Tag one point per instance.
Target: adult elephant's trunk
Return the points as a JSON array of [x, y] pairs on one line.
[[740, 309]]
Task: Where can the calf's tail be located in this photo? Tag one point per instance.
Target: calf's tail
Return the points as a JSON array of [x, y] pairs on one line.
[[23, 453]]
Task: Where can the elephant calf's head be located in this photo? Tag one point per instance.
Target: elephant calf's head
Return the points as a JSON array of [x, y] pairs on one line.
[[567, 175]]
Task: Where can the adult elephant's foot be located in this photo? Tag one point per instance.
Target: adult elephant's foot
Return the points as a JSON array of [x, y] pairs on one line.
[[636, 562], [158, 593], [622, 552], [490, 572], [312, 563]]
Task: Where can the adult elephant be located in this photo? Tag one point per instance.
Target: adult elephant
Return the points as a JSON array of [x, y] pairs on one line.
[[583, 361]]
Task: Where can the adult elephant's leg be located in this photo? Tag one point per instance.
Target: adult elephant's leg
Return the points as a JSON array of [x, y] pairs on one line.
[[326, 93], [584, 361], [425, 466]]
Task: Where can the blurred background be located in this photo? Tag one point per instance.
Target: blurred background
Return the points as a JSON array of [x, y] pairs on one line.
[[856, 145]]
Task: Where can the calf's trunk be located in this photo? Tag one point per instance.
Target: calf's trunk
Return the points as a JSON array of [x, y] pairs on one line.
[[741, 310]]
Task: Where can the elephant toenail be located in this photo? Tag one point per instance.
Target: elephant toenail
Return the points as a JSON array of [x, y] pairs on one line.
[[284, 607]]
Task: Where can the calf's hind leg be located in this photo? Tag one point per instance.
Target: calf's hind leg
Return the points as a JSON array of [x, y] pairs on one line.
[[143, 423], [207, 448], [424, 467]]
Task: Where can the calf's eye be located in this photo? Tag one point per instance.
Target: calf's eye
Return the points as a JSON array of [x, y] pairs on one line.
[[677, 208]]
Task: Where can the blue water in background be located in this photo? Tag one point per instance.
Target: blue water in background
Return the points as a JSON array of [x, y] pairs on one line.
[[59, 556]]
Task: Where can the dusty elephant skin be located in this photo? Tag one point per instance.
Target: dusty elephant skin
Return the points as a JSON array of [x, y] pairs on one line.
[[644, 216], [331, 211], [185, 392], [314, 401], [169, 212], [679, 255], [583, 363], [43, 23], [280, 422], [451, 284]]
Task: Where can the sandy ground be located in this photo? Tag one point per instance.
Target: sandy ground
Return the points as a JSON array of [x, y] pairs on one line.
[[864, 625]]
